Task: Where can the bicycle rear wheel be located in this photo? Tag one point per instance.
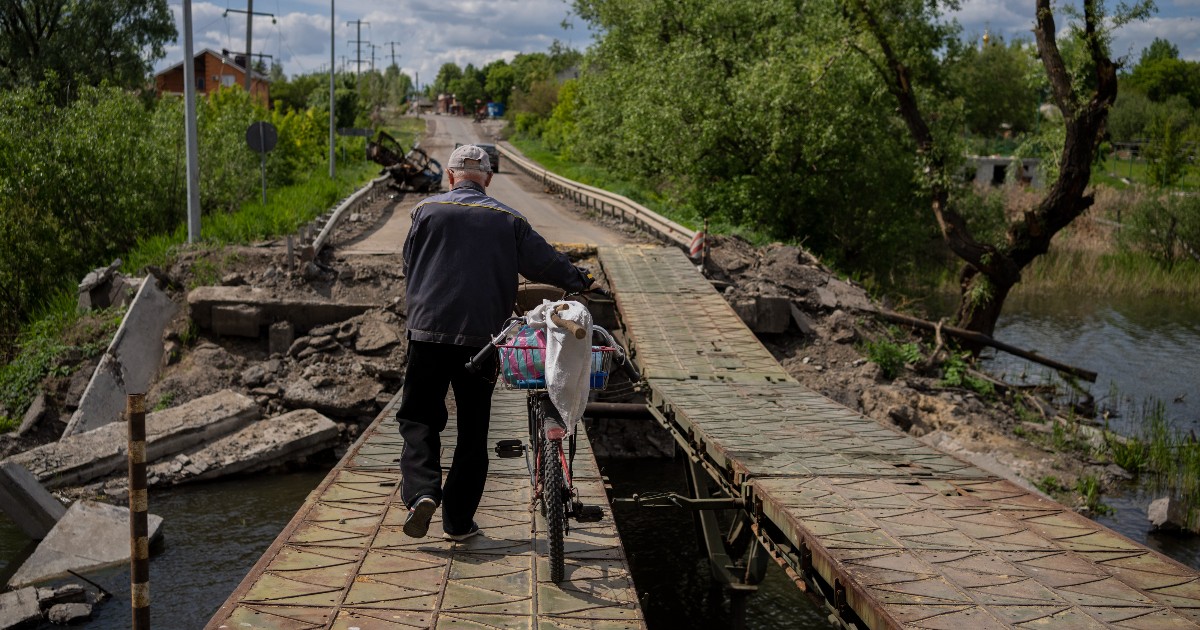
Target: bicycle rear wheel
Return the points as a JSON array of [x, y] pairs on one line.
[[555, 508]]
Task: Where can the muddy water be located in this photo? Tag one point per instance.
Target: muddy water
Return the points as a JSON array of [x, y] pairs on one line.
[[1142, 349], [213, 533]]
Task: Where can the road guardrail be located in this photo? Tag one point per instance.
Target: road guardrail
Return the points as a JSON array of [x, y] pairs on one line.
[[603, 201]]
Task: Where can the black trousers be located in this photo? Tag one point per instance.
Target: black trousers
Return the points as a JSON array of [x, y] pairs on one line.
[[432, 369]]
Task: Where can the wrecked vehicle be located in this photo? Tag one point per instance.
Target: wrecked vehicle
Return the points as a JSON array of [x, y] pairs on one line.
[[412, 170]]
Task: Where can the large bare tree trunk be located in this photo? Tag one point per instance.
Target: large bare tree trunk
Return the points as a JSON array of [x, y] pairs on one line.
[[990, 272]]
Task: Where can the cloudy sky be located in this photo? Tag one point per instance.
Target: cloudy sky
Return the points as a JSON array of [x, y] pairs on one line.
[[424, 34]]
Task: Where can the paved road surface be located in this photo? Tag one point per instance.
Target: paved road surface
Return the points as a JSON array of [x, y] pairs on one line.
[[545, 212]]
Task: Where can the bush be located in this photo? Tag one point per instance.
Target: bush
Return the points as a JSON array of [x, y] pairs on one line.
[[891, 356], [83, 183], [1167, 228]]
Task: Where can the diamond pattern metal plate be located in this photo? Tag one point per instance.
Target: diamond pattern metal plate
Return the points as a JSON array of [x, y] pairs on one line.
[[343, 561], [979, 553], [774, 429], [677, 325], [914, 538]]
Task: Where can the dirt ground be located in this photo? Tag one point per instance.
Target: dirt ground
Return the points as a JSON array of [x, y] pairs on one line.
[[349, 370]]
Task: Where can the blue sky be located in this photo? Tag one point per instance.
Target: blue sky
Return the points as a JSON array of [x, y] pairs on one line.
[[424, 34]]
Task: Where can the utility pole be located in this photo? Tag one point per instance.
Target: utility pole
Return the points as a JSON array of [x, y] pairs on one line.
[[393, 45], [249, 41], [332, 22], [373, 47], [358, 41], [249, 36], [191, 142]]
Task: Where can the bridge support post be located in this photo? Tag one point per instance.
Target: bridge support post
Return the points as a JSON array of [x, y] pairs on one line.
[[738, 577]]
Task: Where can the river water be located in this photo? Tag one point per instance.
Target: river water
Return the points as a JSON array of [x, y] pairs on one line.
[[215, 532], [1143, 350]]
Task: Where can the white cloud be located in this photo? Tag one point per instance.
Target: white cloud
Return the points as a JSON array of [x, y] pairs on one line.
[[1177, 21], [427, 33]]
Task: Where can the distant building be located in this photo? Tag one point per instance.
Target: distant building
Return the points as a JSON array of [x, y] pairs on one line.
[[994, 170], [214, 70], [448, 104]]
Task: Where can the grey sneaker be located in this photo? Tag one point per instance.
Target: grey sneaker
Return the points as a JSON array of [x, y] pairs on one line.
[[474, 531], [419, 515]]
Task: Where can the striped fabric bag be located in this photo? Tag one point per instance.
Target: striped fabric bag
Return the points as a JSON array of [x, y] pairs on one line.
[[523, 359]]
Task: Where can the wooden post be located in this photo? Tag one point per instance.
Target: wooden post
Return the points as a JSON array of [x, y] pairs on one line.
[[139, 535]]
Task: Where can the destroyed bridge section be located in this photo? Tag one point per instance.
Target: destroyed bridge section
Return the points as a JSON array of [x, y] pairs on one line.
[[886, 531]]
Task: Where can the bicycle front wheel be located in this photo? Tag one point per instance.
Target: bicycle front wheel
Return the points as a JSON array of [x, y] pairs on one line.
[[555, 507]]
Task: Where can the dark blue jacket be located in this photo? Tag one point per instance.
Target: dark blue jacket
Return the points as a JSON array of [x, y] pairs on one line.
[[461, 261]]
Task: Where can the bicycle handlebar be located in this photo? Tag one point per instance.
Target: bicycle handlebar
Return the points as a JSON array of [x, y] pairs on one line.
[[476, 361]]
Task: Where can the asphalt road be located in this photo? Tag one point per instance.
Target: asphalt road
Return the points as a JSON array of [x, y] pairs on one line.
[[546, 213]]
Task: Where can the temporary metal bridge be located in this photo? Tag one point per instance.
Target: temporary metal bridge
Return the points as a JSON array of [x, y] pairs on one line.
[[885, 531]]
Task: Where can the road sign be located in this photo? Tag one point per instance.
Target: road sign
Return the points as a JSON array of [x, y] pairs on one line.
[[261, 136]]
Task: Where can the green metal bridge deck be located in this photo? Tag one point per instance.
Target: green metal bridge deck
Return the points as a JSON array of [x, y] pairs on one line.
[[343, 561], [889, 532], [886, 531]]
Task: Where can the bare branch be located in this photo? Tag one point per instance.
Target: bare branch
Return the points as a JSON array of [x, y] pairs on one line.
[[1056, 71]]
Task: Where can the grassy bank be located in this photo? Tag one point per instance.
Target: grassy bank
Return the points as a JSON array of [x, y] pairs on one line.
[[55, 338], [640, 192]]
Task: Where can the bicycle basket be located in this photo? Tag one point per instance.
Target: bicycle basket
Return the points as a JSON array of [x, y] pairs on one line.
[[523, 361]]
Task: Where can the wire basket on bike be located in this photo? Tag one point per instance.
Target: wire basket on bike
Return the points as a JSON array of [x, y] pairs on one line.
[[523, 361]]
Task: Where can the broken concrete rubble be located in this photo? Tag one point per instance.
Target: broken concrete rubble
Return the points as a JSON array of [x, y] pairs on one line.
[[90, 535], [130, 363], [33, 415], [26, 502], [305, 312], [260, 445], [106, 287], [19, 608], [68, 614], [1168, 513], [341, 402], [86, 456]]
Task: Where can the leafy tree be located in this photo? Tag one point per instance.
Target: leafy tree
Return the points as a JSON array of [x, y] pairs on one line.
[[752, 113], [1161, 74], [398, 85], [296, 93], [1159, 50], [1083, 92], [468, 88], [115, 41], [999, 84], [447, 74], [500, 81], [1170, 147]]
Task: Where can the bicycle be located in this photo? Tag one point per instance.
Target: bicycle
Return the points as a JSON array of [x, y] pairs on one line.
[[548, 464]]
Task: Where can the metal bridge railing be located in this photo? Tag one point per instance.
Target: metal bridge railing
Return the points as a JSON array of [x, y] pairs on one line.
[[603, 201]]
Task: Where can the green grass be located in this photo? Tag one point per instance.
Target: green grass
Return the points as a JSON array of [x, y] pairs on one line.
[[1170, 455], [639, 192], [1113, 172], [1115, 273]]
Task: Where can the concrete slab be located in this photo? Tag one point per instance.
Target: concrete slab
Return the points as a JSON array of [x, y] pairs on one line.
[[27, 503], [34, 414], [19, 608], [90, 536], [237, 320], [130, 363], [304, 313], [81, 458], [260, 445]]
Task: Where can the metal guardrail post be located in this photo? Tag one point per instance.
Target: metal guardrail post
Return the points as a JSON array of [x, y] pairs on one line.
[[139, 534]]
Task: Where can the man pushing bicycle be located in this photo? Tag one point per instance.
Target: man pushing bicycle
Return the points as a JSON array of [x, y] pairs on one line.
[[462, 258]]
